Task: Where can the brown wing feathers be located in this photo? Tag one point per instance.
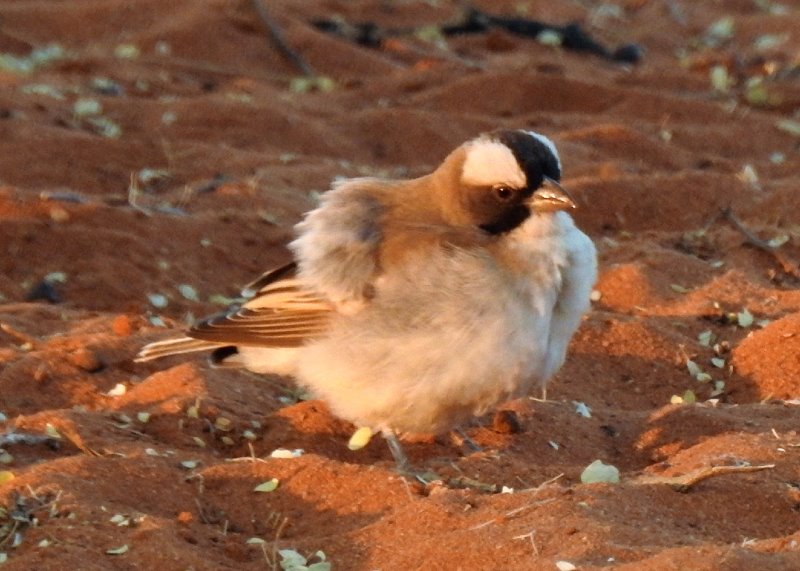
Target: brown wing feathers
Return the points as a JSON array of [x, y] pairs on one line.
[[263, 328], [281, 272], [281, 314], [173, 347]]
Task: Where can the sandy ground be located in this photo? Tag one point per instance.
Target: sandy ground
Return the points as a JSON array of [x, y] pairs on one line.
[[161, 152]]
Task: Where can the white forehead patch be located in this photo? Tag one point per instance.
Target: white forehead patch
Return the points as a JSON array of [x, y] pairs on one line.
[[547, 143], [489, 163]]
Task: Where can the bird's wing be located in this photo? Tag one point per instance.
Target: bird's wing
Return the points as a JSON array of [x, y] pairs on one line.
[[336, 255], [271, 275], [169, 347], [337, 248], [280, 313]]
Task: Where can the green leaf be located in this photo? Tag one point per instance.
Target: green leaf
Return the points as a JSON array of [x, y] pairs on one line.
[[778, 241], [188, 292], [291, 560], [706, 338], [52, 431], [744, 318], [597, 472], [720, 78], [268, 486], [121, 550], [789, 126]]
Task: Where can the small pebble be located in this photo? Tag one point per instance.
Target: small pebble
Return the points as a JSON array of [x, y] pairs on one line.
[[85, 359]]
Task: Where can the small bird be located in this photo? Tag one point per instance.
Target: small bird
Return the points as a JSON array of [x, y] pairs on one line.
[[413, 306]]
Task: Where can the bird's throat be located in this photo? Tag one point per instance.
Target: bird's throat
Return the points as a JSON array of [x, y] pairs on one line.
[[508, 221]]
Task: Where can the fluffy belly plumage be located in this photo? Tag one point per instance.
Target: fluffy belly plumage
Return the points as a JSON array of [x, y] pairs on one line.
[[429, 371]]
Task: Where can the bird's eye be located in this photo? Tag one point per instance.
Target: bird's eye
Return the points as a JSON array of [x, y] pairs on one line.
[[503, 192]]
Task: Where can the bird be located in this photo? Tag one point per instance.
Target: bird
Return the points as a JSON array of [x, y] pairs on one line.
[[416, 305]]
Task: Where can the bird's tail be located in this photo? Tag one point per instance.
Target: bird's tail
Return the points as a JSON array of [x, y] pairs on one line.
[[173, 347]]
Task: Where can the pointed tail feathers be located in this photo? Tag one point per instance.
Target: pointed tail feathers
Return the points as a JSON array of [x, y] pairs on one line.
[[173, 347]]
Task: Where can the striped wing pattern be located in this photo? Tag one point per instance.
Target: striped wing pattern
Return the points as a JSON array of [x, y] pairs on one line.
[[281, 313]]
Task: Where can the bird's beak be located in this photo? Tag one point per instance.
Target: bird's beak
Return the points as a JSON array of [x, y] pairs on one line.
[[551, 197]]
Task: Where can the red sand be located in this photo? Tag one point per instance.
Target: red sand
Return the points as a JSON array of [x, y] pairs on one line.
[[653, 154]]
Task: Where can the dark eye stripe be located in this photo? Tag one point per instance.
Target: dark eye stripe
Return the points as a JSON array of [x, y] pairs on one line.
[[510, 220]]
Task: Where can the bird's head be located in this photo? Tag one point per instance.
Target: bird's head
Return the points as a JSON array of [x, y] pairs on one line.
[[498, 180]]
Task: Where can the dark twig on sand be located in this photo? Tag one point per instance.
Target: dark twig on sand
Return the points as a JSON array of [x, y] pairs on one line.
[[474, 21], [786, 265], [276, 36], [752, 239], [571, 36]]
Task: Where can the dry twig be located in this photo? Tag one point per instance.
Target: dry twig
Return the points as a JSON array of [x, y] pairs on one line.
[[685, 482], [512, 513], [251, 458], [276, 36], [516, 511], [752, 239], [75, 439], [200, 66], [787, 266], [21, 514], [22, 337], [529, 535]]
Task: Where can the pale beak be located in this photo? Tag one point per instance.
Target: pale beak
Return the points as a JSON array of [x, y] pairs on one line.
[[551, 197]]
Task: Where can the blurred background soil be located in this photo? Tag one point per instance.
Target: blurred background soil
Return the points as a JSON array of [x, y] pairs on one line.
[[153, 159]]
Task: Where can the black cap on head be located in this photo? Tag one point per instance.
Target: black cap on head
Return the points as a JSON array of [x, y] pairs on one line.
[[535, 154]]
